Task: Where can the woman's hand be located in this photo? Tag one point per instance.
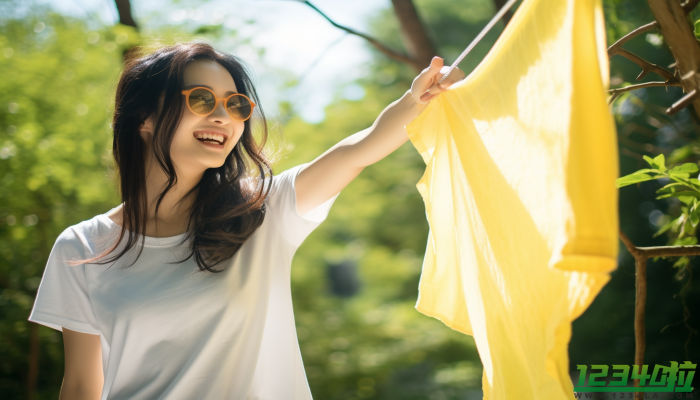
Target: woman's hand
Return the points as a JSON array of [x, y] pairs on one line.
[[425, 86]]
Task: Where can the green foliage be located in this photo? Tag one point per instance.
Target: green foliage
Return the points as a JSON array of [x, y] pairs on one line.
[[686, 189], [58, 79]]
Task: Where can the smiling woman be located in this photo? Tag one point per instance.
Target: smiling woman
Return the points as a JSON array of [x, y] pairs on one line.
[[180, 165], [198, 191], [142, 321]]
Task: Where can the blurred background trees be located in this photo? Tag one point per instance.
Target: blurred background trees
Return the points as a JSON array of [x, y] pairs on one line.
[[355, 279]]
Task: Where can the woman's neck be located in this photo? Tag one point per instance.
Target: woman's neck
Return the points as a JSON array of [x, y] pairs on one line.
[[172, 217]]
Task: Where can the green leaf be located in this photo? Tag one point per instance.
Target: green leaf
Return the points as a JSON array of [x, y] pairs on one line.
[[645, 170], [657, 162], [632, 179], [667, 226], [680, 154], [697, 29], [682, 262], [685, 196], [660, 161], [694, 219], [687, 199], [680, 175], [680, 178], [671, 184], [689, 241], [670, 188], [687, 167]]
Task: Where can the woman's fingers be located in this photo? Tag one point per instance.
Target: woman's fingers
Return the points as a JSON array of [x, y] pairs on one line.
[[455, 76], [434, 89], [426, 83]]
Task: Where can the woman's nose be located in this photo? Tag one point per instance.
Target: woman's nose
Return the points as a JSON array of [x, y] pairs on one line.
[[220, 114]]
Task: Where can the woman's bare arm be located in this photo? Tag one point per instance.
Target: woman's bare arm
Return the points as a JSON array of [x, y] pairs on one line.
[[329, 173], [83, 378]]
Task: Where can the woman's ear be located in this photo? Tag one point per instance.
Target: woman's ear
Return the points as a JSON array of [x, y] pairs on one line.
[[146, 130]]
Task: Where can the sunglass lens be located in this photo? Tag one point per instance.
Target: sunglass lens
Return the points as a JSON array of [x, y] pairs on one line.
[[238, 107], [202, 101]]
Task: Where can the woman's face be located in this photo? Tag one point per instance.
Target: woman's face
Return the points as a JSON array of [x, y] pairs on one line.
[[190, 155]]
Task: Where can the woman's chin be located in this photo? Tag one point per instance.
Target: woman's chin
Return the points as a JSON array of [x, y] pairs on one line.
[[214, 164]]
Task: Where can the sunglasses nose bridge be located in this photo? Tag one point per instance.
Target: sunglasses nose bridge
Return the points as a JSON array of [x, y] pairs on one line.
[[216, 107]]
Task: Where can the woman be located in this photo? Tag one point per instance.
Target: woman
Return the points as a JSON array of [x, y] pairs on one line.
[[155, 320]]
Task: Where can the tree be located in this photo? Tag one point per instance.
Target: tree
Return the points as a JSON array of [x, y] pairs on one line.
[[673, 23], [54, 160]]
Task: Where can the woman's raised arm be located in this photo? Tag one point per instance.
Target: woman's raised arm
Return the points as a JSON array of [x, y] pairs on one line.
[[329, 173]]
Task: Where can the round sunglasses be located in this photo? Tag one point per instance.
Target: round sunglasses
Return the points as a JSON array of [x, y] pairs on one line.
[[202, 101]]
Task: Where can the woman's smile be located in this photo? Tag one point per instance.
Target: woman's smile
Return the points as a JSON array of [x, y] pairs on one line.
[[212, 138]]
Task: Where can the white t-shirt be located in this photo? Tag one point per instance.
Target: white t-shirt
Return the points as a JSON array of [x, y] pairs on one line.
[[169, 331]]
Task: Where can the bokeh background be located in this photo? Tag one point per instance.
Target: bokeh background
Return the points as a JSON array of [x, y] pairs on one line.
[[355, 279]]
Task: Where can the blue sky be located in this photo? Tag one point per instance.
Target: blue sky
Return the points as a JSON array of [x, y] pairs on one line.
[[292, 34]]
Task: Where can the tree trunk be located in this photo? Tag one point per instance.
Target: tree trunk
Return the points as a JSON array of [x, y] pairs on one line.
[[680, 38], [414, 35], [125, 18], [124, 9]]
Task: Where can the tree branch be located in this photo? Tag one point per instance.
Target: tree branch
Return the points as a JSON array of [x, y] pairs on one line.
[[689, 5], [646, 66], [641, 254], [658, 251], [683, 102], [680, 38], [382, 48], [618, 45], [613, 98], [629, 88], [640, 302]]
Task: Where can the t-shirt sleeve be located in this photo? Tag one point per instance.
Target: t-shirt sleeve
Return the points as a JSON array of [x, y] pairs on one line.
[[283, 207], [62, 298]]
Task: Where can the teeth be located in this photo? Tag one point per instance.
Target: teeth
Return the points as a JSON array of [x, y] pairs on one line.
[[211, 136]]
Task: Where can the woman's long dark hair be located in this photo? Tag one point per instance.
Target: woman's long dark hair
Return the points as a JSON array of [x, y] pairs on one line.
[[227, 208]]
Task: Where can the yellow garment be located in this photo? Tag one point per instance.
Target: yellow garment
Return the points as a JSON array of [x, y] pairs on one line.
[[520, 196]]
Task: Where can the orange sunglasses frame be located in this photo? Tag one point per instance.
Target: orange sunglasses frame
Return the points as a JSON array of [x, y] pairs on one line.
[[224, 99]]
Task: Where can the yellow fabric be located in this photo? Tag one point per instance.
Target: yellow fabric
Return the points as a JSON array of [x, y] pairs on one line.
[[519, 189]]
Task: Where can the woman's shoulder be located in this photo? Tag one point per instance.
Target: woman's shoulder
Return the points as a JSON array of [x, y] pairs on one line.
[[83, 235], [115, 215], [285, 178]]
